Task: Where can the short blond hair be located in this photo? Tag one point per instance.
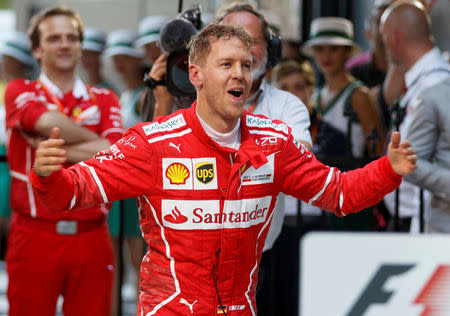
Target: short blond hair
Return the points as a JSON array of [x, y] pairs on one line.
[[200, 44]]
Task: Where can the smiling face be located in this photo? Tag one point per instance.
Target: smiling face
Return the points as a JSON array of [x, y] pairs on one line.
[[223, 81], [59, 47], [331, 58]]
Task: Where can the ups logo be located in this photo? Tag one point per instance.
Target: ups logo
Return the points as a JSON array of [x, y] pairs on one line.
[[204, 172]]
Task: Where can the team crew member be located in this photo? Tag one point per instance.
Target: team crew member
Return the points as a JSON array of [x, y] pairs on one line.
[[207, 184], [53, 253]]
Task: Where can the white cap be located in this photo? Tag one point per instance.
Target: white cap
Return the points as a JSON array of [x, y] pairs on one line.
[[17, 45], [121, 42], [330, 31], [94, 39], [381, 3], [149, 29]]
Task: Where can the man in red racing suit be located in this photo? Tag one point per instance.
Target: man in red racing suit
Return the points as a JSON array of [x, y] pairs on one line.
[[53, 253], [205, 209]]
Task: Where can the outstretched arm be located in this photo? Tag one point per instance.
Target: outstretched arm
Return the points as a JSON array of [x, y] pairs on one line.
[[342, 193]]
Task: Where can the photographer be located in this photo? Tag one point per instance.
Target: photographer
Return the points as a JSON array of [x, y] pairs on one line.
[[168, 82]]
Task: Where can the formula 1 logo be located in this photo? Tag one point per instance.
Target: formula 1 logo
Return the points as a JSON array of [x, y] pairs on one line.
[[384, 294]]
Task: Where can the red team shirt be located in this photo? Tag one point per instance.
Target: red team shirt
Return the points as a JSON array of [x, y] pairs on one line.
[[204, 209], [95, 109]]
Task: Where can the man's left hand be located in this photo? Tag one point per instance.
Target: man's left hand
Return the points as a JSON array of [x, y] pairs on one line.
[[401, 155]]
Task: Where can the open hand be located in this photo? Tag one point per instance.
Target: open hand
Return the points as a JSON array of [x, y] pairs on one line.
[[49, 155], [401, 155]]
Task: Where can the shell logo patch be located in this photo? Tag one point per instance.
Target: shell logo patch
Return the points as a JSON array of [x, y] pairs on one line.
[[177, 173]]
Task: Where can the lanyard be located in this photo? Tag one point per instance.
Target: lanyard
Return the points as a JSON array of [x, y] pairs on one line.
[[252, 106], [56, 101]]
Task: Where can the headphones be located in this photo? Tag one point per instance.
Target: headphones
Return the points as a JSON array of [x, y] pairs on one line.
[[273, 42]]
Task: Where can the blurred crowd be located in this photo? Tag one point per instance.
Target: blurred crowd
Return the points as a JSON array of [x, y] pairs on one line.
[[342, 104]]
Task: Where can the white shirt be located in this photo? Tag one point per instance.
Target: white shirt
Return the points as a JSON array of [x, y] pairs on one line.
[[232, 139], [281, 105], [79, 88]]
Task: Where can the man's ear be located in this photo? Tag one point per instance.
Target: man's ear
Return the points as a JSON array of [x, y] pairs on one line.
[[195, 75], [37, 53]]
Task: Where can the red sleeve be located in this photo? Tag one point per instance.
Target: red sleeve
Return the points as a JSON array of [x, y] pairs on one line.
[[126, 170], [304, 177], [24, 104], [111, 126]]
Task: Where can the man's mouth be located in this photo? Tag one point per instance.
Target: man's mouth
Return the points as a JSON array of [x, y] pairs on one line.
[[237, 93]]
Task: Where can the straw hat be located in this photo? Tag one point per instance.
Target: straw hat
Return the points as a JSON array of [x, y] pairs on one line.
[[94, 40], [17, 45], [149, 29], [330, 31], [121, 42]]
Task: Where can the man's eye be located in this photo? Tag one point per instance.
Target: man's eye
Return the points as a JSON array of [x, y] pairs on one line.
[[72, 38], [227, 64], [247, 66]]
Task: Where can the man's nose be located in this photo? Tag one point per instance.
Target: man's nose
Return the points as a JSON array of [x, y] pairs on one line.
[[238, 71], [64, 42]]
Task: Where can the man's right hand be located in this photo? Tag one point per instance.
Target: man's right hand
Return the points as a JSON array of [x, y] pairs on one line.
[[164, 100], [49, 155]]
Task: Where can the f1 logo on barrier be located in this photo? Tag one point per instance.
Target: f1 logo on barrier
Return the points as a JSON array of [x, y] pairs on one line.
[[433, 296]]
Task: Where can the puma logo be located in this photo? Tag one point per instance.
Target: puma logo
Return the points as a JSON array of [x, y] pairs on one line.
[[174, 146], [183, 301]]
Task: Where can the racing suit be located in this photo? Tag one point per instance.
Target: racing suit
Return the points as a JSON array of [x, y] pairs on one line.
[[36, 275], [204, 209]]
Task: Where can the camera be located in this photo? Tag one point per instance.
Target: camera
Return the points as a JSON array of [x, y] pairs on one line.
[[175, 36]]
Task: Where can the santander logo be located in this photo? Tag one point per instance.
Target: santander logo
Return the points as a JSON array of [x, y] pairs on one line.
[[208, 214], [176, 217]]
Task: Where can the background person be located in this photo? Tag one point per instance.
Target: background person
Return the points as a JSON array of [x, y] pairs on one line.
[[198, 264], [57, 253], [16, 62], [343, 102], [405, 28], [429, 132], [371, 66], [149, 30], [94, 42], [128, 62]]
